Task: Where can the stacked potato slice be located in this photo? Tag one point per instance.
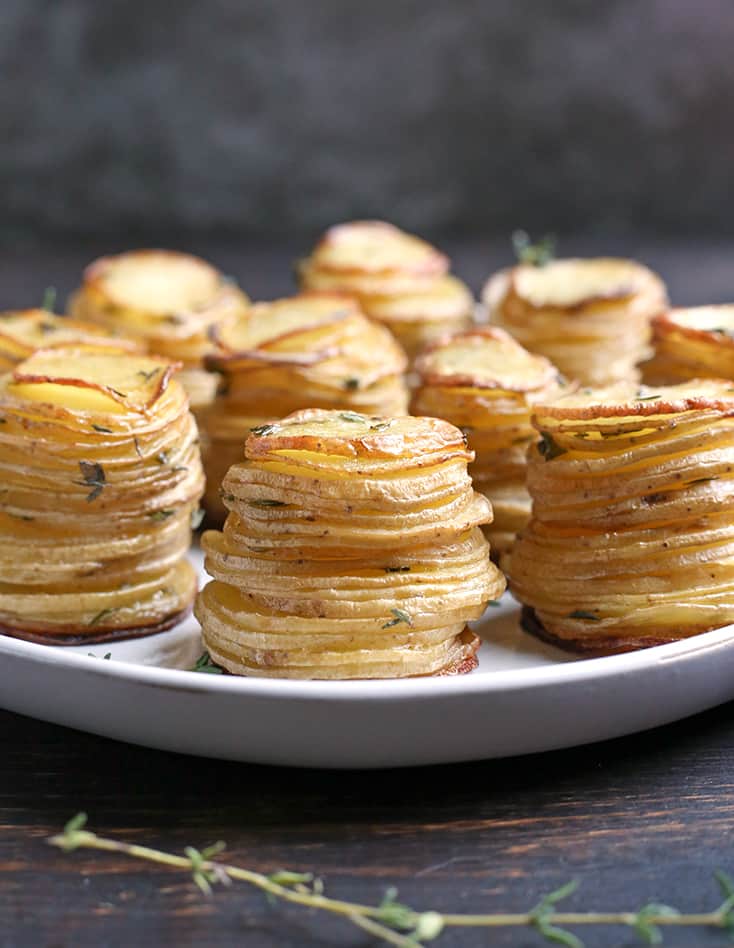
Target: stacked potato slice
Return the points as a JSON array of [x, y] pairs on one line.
[[351, 550], [22, 332], [590, 317], [692, 343], [399, 279], [100, 475], [314, 350], [631, 540], [486, 383], [168, 300]]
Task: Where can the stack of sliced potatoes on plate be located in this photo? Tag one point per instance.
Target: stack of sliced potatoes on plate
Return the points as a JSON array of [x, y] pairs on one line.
[[352, 550], [100, 475], [631, 539], [23, 332], [590, 317], [170, 301], [692, 343], [485, 383], [315, 350], [399, 279]]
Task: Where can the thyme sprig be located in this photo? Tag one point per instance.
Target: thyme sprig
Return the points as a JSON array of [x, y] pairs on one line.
[[536, 255], [391, 920], [49, 299]]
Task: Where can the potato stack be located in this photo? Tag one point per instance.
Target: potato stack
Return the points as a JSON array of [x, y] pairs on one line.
[[168, 300], [590, 317], [315, 350], [399, 279], [351, 550], [692, 343], [22, 332], [100, 475], [485, 383], [631, 540]]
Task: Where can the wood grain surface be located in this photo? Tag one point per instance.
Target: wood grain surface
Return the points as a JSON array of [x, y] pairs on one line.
[[646, 817]]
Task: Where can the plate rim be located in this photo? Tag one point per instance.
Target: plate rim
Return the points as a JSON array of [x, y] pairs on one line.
[[379, 690]]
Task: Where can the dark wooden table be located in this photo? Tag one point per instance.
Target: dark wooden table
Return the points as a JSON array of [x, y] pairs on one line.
[[646, 817]]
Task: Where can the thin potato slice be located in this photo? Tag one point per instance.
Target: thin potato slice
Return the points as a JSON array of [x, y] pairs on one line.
[[692, 343]]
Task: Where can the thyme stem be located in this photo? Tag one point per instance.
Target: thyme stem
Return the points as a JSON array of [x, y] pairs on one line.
[[395, 923]]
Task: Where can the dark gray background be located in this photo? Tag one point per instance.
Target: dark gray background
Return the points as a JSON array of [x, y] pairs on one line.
[[272, 118]]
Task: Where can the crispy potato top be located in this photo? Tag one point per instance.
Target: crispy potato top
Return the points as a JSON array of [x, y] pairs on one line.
[[154, 281], [270, 324], [575, 282], [484, 358], [89, 378], [349, 434], [376, 247], [709, 323], [22, 332], [626, 400]]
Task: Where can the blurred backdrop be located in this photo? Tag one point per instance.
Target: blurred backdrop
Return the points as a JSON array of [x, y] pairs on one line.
[[269, 119]]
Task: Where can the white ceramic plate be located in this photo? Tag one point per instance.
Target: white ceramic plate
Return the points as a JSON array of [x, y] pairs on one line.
[[525, 697]]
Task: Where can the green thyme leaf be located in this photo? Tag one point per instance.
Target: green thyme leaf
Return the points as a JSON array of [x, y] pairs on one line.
[[266, 502], [494, 603], [380, 426], [205, 664], [351, 384], [396, 569], [583, 614], [263, 429], [399, 615], [646, 928], [101, 616], [159, 515], [149, 374], [162, 457], [535, 255], [49, 299], [102, 429], [352, 416]]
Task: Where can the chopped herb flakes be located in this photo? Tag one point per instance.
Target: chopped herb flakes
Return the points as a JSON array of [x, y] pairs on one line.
[[583, 614], [160, 515], [266, 502], [352, 416], [380, 426], [101, 616], [351, 384], [94, 477], [396, 569], [148, 375], [102, 429], [263, 429], [548, 447], [399, 615]]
